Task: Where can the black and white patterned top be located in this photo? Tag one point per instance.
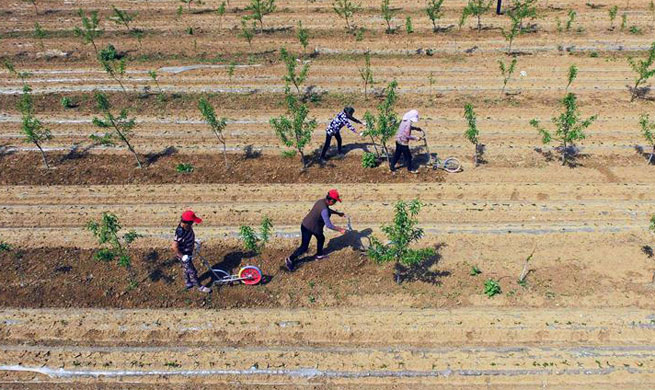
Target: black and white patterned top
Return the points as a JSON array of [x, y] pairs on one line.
[[185, 240], [338, 122]]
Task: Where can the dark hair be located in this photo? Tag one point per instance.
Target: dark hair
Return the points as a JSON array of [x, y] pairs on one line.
[[328, 198], [349, 111]]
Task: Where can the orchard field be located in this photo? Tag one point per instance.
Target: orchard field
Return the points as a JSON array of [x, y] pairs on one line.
[[583, 317]]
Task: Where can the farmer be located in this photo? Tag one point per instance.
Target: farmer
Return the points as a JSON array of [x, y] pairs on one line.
[[403, 136], [312, 225], [183, 244], [333, 130]]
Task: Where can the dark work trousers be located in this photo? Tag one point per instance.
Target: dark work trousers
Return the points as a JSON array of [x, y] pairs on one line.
[[328, 140], [190, 273], [402, 150], [306, 237]]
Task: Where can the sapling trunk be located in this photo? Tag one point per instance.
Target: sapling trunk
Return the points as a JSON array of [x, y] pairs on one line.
[[129, 146], [386, 152], [375, 146], [479, 23], [45, 161], [302, 159], [564, 152], [475, 155], [652, 153]]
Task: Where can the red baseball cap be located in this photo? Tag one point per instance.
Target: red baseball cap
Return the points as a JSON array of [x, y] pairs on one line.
[[334, 194], [190, 216]]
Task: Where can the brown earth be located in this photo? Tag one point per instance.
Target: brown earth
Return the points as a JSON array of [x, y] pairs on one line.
[[160, 168]]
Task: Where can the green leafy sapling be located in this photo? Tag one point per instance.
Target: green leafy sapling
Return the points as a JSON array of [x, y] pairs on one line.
[[39, 34], [651, 226], [569, 126], [434, 12], [113, 64], [217, 125], [387, 15], [644, 70], [303, 37], [259, 9], [4, 247], [510, 34], [472, 133], [624, 21], [294, 129], [521, 10], [220, 11], [153, 75], [89, 31], [230, 69], [254, 242], [184, 168], [475, 8], [292, 76], [32, 128], [247, 32], [612, 14], [369, 160], [366, 73], [409, 28], [569, 22], [120, 126], [492, 287], [572, 75], [107, 232], [346, 9], [122, 18], [648, 132], [382, 128], [506, 71], [179, 12], [401, 234], [12, 70], [651, 9]]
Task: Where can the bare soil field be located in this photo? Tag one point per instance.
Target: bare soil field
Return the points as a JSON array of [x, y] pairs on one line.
[[583, 318]]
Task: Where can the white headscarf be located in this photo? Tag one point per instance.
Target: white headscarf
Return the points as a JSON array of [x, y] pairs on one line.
[[411, 116]]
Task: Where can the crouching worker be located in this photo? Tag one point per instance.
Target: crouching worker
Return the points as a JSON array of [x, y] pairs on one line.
[[312, 225], [183, 245], [334, 130]]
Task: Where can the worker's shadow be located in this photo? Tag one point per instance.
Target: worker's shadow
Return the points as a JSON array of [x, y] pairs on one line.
[[355, 239], [422, 271]]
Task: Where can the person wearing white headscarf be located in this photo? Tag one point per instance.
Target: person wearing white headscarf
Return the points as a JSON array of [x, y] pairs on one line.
[[403, 136]]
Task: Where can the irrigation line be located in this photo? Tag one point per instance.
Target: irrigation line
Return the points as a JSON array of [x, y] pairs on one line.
[[316, 373]]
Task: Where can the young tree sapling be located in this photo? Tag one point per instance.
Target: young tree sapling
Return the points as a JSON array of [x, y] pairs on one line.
[[89, 31], [31, 126], [387, 15], [570, 127], [475, 8], [292, 77], [106, 231], [303, 37], [648, 132], [216, 124], [434, 12], [506, 72], [120, 125], [39, 34], [401, 234], [366, 73], [644, 70], [472, 133], [346, 9], [294, 129], [259, 9], [383, 127]]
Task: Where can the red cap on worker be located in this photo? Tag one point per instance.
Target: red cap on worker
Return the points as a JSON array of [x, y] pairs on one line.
[[334, 194], [190, 216]]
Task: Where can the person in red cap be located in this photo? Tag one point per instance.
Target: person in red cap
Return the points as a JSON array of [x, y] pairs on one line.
[[183, 244], [312, 225]]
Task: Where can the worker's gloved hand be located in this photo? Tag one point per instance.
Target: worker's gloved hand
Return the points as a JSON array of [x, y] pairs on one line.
[[186, 258]]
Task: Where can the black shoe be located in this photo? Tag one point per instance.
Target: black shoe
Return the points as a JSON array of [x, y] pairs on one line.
[[289, 264]]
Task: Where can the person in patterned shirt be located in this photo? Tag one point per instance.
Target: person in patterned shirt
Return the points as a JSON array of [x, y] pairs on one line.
[[333, 130], [183, 245]]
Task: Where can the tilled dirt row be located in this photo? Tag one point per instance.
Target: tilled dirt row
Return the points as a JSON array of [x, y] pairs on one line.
[[329, 347]]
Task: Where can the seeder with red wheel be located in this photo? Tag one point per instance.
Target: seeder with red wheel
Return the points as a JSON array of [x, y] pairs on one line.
[[249, 274]]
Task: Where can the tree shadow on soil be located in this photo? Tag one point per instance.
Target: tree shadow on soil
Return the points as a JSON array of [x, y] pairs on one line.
[[422, 272], [77, 152], [641, 92], [249, 152], [645, 155], [648, 251], [152, 158], [157, 271], [5, 150], [573, 159]]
